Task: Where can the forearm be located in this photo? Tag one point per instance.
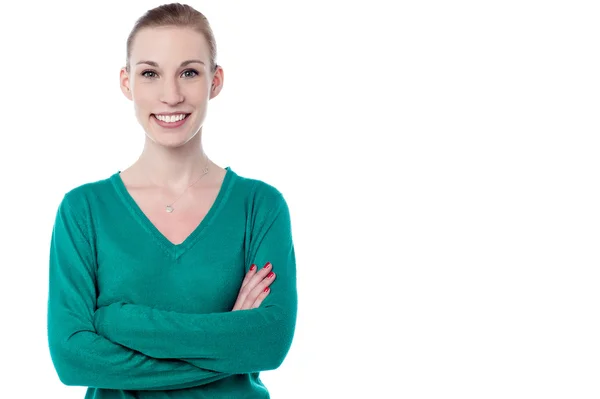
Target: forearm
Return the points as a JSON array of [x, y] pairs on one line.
[[233, 342], [87, 359]]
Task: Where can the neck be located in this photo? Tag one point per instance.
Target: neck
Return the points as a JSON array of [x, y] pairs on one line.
[[172, 168]]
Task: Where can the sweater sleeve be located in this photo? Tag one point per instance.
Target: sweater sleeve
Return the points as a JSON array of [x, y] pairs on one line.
[[242, 341], [80, 356]]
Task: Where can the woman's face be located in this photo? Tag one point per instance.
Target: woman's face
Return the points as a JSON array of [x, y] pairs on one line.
[[169, 77]]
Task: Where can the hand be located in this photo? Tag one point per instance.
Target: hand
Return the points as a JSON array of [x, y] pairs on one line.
[[255, 287]]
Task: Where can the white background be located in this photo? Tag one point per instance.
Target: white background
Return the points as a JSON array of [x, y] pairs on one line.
[[440, 160]]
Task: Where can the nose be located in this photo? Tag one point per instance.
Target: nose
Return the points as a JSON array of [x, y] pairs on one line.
[[171, 92]]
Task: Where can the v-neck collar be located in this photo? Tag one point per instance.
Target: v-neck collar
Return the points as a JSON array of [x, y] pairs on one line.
[[175, 250]]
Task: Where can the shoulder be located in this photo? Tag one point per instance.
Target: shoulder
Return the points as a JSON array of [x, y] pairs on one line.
[[81, 198], [261, 193]]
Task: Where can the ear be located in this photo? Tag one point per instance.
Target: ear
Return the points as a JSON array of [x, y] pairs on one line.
[[125, 83], [217, 82]]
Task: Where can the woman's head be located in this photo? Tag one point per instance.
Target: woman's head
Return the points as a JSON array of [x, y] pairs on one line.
[[171, 68]]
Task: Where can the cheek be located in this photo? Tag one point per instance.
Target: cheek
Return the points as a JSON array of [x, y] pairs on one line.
[[142, 101]]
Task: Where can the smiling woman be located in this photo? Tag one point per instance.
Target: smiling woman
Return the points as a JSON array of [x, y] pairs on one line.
[[174, 277]]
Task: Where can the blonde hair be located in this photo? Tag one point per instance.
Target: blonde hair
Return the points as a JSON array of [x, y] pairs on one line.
[[176, 15]]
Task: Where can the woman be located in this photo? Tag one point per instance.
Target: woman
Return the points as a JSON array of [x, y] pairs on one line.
[[162, 276]]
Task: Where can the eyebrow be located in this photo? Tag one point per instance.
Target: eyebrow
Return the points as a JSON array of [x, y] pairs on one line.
[[184, 63]]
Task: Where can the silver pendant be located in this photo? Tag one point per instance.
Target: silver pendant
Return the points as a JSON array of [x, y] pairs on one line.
[[169, 209]]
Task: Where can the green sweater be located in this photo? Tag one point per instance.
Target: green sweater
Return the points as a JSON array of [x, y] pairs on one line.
[[132, 315]]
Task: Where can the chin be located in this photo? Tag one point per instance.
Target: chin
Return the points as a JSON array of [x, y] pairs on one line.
[[170, 139]]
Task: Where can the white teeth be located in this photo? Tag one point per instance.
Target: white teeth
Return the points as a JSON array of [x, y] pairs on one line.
[[170, 118]]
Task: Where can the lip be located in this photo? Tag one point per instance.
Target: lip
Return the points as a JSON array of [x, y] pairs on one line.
[[171, 125], [171, 113]]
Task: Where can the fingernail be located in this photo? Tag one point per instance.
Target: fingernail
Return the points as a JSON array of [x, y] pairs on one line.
[[266, 289], [253, 267], [268, 265], [270, 275]]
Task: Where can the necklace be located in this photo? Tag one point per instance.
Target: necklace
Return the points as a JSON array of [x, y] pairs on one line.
[[169, 208]]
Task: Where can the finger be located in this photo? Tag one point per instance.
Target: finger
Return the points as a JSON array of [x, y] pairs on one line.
[[258, 290], [244, 292], [261, 297], [251, 272], [252, 280], [255, 278], [260, 275]]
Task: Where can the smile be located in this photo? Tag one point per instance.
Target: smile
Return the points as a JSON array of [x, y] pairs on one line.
[[170, 121]]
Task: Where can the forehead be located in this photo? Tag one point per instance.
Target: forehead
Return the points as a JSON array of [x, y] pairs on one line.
[[169, 45]]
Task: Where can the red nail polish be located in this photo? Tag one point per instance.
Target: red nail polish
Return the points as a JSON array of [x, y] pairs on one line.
[[266, 289], [253, 267], [268, 265], [270, 275]]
